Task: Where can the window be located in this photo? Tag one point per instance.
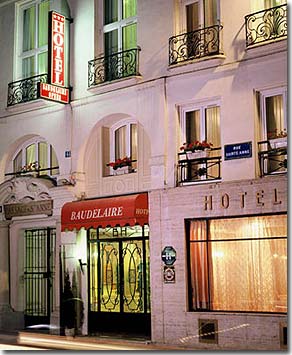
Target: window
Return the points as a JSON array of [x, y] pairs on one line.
[[259, 5], [238, 264], [32, 45], [200, 123], [37, 151], [273, 107], [120, 24], [199, 14], [124, 142]]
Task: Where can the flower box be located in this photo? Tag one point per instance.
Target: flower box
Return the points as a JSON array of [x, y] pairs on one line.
[[278, 142], [123, 170], [196, 154]]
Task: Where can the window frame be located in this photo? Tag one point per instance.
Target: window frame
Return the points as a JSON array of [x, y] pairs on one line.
[[35, 141], [117, 25], [201, 20], [200, 106], [113, 129], [263, 114], [19, 55]]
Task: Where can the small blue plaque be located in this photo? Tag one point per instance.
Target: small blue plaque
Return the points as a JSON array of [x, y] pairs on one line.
[[238, 151]]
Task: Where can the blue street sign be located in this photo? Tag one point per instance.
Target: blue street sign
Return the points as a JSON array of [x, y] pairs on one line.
[[237, 151]]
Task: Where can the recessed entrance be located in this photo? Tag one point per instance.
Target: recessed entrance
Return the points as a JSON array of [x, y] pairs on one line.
[[119, 286]]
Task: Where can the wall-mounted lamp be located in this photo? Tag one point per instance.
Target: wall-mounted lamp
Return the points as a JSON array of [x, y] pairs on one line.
[[81, 265]]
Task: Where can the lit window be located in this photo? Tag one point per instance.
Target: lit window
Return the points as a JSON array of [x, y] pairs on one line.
[[32, 40], [37, 152], [120, 24], [273, 106], [124, 141], [239, 264], [201, 122]]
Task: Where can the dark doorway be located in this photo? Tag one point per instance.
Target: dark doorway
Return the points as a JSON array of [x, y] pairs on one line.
[[38, 275]]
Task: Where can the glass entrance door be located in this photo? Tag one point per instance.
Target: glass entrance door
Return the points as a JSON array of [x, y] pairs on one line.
[[119, 285]]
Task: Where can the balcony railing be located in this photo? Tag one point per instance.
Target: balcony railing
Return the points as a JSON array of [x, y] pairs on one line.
[[25, 90], [196, 44], [36, 172], [199, 169], [272, 160], [266, 25], [115, 66]]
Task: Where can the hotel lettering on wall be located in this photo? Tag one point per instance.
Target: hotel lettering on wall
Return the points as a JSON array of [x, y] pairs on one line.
[[56, 89], [259, 198], [27, 209]]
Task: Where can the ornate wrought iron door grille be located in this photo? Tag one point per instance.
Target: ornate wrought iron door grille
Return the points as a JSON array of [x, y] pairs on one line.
[[119, 271], [39, 273]]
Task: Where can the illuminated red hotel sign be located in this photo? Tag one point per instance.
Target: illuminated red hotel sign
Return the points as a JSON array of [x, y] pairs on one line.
[[55, 89]]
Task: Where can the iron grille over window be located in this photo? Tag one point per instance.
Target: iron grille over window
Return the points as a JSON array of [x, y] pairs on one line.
[[195, 44], [266, 25], [112, 67], [25, 90]]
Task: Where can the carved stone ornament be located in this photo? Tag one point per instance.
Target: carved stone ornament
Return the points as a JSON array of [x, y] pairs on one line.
[[27, 189]]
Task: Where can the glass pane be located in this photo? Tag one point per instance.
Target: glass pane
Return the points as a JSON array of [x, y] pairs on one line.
[[111, 42], [212, 115], [30, 154], [192, 16], [274, 115], [133, 277], [93, 282], [134, 144], [130, 37], [110, 11], [129, 8], [28, 29], [43, 23], [43, 157], [120, 232], [193, 126], [121, 142], [210, 12], [54, 162], [258, 281], [17, 162], [43, 63], [248, 227], [28, 67], [110, 276]]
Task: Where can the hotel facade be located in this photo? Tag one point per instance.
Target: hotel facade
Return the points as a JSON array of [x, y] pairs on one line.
[[143, 170]]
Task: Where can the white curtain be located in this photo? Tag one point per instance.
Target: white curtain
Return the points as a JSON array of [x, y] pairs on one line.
[[247, 264]]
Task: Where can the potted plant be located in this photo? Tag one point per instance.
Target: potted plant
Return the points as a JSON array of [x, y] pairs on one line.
[[277, 139], [196, 149], [122, 166]]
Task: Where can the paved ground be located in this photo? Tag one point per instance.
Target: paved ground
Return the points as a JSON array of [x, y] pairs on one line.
[[57, 342]]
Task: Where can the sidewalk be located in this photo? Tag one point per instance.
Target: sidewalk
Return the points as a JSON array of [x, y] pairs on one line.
[[90, 343]]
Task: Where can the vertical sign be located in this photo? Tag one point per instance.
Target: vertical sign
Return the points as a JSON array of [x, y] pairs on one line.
[[57, 49]]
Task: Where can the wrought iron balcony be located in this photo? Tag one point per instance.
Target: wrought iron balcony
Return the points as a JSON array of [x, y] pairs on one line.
[[272, 160], [266, 25], [115, 66], [199, 169], [193, 45], [25, 90]]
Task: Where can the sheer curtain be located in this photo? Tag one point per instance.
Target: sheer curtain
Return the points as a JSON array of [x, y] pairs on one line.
[[275, 113], [247, 264], [199, 265], [249, 274]]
